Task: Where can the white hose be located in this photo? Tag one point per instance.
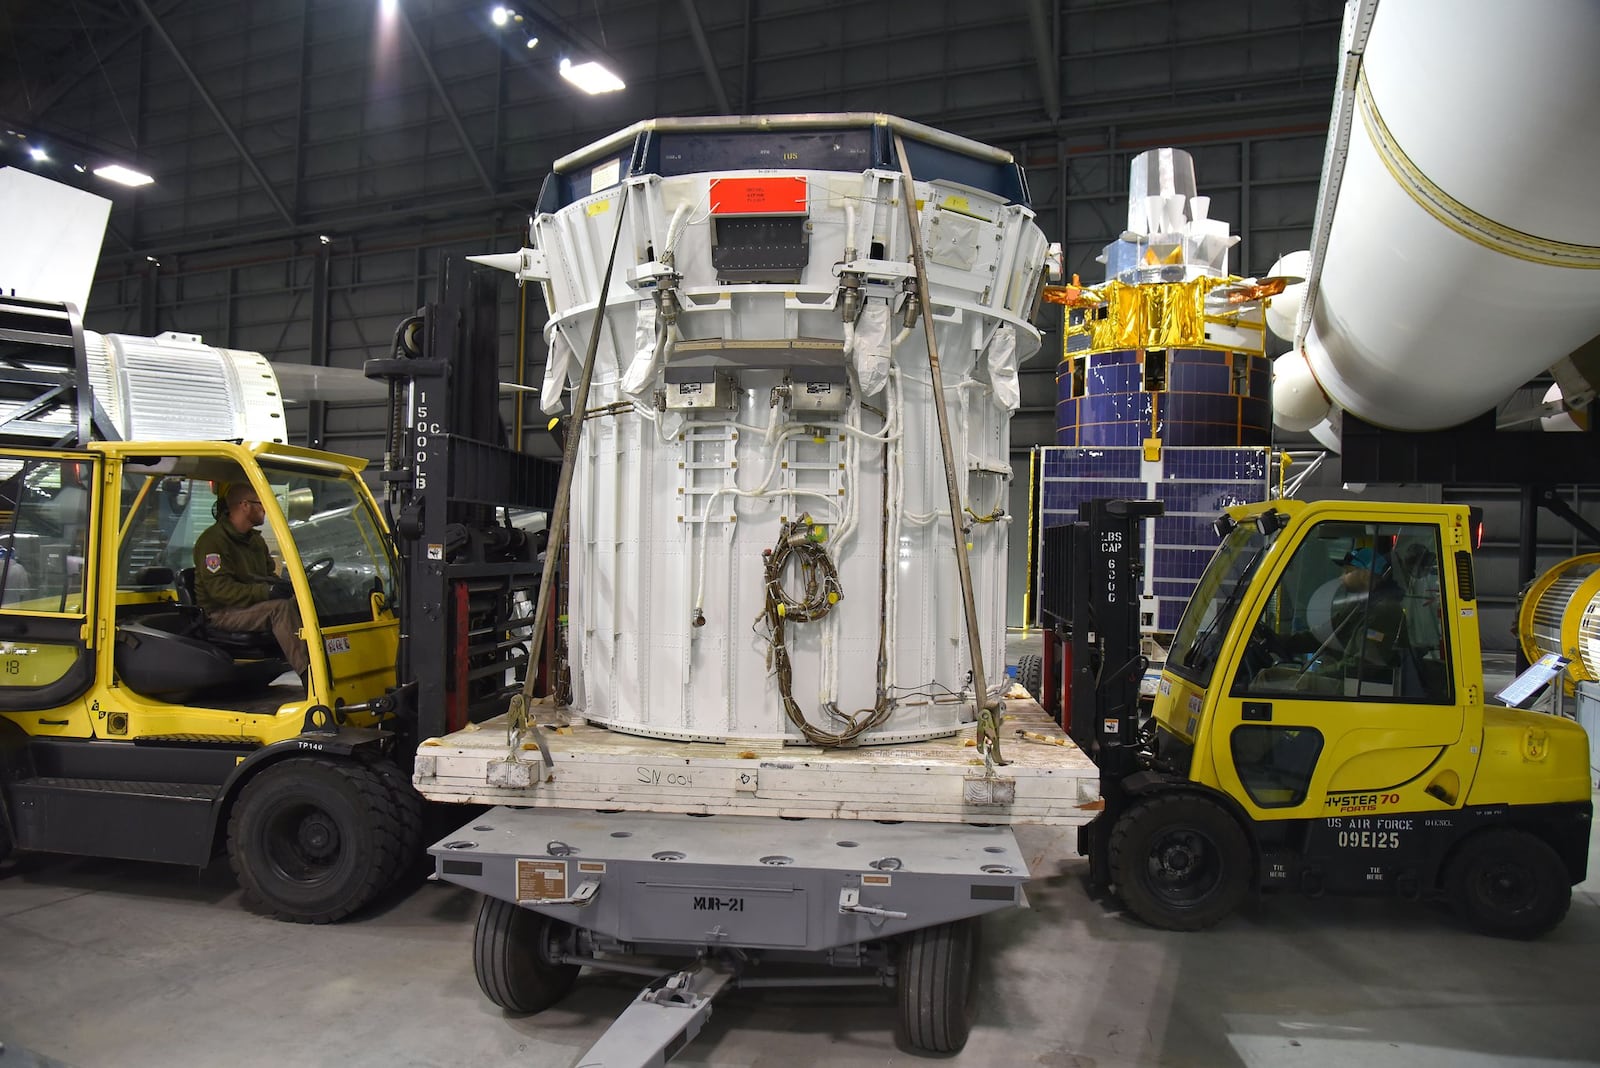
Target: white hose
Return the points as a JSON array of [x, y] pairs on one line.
[[675, 228]]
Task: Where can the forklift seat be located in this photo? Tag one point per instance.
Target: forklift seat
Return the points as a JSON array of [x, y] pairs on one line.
[[169, 655], [240, 644]]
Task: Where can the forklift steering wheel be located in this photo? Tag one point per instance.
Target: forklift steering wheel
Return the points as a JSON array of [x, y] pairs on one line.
[[1269, 641], [319, 568]]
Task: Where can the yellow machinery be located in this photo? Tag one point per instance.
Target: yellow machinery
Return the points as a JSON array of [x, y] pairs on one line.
[[1321, 724], [131, 728]]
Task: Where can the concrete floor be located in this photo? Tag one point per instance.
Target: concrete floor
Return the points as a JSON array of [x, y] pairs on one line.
[[109, 963], [123, 964]]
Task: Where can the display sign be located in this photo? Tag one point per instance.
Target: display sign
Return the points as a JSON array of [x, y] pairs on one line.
[[1528, 685]]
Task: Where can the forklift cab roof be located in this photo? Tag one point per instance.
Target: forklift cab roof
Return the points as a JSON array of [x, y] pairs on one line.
[[197, 458]]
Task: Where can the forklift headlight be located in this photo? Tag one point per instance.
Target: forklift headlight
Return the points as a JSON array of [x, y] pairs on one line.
[[1269, 522], [1224, 525]]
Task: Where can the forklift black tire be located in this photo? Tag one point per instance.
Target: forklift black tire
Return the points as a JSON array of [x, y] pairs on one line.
[[1508, 883], [312, 840], [410, 857], [1030, 672], [1180, 862], [937, 986], [512, 950]]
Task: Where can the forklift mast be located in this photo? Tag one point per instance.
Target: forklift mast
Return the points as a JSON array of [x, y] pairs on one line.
[[454, 491], [1090, 585]]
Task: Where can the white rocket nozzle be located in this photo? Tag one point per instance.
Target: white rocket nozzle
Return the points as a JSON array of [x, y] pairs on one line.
[[529, 265], [510, 262]]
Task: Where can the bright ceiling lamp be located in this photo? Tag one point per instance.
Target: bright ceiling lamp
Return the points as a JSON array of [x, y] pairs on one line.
[[116, 172], [591, 77]]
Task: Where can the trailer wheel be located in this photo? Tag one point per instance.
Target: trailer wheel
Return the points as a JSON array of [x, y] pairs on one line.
[[937, 988], [1180, 862], [513, 951], [1030, 672], [311, 840], [1508, 883]]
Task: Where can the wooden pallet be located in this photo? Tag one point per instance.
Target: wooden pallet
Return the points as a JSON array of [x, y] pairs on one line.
[[940, 781]]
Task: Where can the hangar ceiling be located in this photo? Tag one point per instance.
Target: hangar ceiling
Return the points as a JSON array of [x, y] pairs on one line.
[[314, 158]]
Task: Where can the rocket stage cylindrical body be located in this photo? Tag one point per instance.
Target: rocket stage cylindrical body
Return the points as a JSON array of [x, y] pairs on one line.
[[1463, 255], [761, 541]]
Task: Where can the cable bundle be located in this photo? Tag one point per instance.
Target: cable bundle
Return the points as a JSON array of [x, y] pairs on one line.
[[800, 539]]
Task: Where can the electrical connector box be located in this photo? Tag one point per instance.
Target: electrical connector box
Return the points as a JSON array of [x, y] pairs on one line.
[[818, 396], [651, 276], [712, 393]]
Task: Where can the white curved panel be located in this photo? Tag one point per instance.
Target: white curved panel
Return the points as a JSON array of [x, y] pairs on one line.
[[1463, 255]]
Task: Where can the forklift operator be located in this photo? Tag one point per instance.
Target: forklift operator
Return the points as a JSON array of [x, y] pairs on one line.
[[235, 582], [1369, 611]]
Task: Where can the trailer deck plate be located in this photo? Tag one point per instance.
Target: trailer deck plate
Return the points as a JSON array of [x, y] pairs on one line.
[[671, 879]]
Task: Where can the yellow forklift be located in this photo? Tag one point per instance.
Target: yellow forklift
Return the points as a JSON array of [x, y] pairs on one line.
[[1320, 724], [133, 726]]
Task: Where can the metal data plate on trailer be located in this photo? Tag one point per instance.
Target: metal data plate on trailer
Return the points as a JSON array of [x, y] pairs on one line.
[[671, 879]]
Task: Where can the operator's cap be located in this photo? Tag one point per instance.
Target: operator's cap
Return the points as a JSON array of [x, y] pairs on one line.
[[1362, 558]]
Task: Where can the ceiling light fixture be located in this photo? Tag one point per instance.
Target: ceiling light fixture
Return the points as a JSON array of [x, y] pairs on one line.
[[116, 172], [591, 77], [500, 16], [38, 153], [533, 42]]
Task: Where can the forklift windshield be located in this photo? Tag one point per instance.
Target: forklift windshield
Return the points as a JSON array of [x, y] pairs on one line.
[[1216, 601], [341, 545], [168, 501]]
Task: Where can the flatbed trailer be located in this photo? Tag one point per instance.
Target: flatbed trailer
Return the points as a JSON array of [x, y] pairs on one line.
[[698, 864]]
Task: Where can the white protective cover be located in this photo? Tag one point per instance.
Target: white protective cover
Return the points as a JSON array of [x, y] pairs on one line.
[[672, 510]]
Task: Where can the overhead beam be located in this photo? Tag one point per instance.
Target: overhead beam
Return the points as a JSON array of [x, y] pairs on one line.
[[1045, 58], [444, 100], [211, 104], [707, 60], [86, 66]]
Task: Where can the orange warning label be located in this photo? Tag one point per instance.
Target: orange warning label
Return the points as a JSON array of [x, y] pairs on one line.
[[758, 196]]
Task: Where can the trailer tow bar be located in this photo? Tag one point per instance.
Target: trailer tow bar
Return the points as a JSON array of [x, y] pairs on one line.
[[664, 1018]]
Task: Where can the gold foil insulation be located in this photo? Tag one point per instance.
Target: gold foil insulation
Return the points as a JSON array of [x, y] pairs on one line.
[[1166, 315]]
